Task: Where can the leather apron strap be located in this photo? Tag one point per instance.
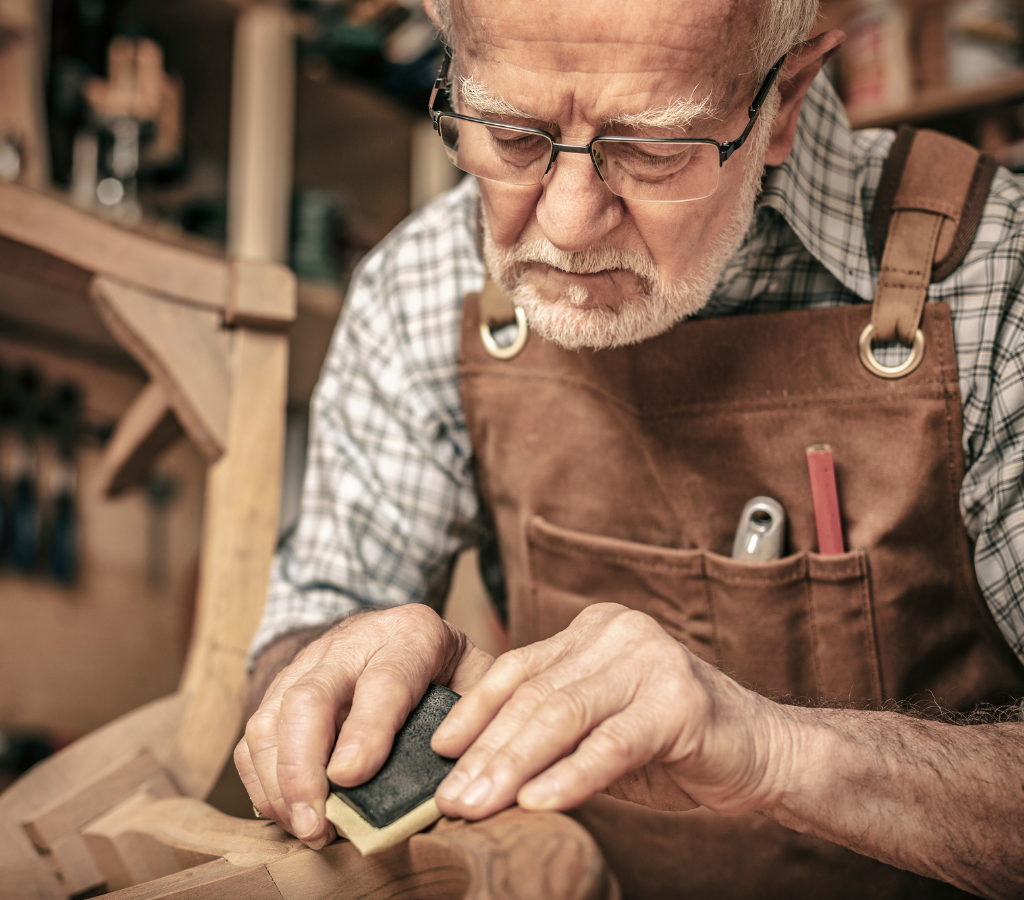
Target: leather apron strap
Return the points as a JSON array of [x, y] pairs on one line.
[[497, 312], [926, 214]]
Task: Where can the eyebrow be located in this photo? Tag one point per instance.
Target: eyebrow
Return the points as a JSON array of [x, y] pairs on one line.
[[473, 92], [678, 114]]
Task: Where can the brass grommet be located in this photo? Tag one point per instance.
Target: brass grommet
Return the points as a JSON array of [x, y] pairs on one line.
[[867, 356], [513, 349]]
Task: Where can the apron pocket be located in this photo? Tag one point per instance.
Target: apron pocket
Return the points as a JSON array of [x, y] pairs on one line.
[[802, 626]]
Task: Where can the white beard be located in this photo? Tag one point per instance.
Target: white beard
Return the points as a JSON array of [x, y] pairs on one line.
[[658, 306]]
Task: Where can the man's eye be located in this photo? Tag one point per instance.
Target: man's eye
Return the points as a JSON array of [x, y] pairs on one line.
[[659, 154], [509, 139]]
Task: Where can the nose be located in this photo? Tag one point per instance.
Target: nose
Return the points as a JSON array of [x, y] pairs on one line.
[[576, 209]]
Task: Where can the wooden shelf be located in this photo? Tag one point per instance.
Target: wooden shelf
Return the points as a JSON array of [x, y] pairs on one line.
[[937, 104]]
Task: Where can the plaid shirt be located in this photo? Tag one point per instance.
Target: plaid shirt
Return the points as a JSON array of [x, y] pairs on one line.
[[389, 495]]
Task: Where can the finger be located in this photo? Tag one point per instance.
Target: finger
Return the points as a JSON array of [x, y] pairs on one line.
[[261, 732], [618, 745], [392, 683], [471, 715], [306, 731], [384, 695], [473, 666], [261, 742], [408, 647], [251, 782], [513, 749], [509, 719]]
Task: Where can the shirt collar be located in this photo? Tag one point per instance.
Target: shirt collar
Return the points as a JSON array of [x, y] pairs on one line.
[[819, 191]]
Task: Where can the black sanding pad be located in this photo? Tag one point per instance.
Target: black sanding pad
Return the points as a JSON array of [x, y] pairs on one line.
[[412, 772]]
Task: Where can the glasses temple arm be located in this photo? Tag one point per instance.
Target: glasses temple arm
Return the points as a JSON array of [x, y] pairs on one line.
[[730, 147], [440, 84]]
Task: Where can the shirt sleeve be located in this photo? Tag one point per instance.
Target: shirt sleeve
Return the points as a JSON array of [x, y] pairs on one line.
[[993, 491], [990, 350], [388, 496]]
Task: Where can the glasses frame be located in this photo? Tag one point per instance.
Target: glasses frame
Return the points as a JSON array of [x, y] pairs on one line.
[[725, 148]]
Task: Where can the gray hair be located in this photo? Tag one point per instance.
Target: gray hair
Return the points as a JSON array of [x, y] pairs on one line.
[[783, 25]]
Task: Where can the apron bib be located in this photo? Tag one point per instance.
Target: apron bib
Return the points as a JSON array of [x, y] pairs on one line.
[[620, 476]]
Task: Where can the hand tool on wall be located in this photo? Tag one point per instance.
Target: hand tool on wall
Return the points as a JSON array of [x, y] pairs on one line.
[[6, 422], [25, 520], [64, 414]]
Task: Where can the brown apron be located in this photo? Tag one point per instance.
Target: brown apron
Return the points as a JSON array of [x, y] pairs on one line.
[[620, 476]]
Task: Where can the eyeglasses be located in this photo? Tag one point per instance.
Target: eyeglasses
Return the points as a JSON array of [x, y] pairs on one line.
[[660, 170]]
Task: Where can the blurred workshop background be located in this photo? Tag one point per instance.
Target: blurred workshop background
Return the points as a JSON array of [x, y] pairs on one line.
[[124, 108]]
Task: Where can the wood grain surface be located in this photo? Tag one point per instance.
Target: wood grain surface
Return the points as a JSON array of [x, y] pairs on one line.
[[58, 230], [184, 349], [514, 855]]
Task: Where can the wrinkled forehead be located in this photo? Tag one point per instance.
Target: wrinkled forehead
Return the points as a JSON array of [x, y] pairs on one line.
[[607, 51]]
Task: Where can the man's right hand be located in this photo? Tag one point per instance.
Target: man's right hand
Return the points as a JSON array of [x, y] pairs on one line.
[[333, 712]]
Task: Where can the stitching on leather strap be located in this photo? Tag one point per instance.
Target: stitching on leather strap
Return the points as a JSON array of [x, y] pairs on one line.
[[949, 189], [892, 174], [909, 250]]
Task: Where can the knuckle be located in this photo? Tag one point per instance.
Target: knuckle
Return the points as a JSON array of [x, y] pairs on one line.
[[616, 742], [291, 772], [241, 756], [392, 679], [595, 611], [510, 759], [412, 616], [565, 707], [311, 691], [296, 782], [634, 621], [261, 728], [532, 693], [518, 662]]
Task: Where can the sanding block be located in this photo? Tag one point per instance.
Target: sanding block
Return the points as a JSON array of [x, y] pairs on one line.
[[399, 800]]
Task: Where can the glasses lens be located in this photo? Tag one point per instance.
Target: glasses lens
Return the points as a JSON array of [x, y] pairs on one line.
[[495, 152], [658, 170]]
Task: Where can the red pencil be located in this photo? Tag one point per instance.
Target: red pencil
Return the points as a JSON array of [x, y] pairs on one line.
[[825, 500]]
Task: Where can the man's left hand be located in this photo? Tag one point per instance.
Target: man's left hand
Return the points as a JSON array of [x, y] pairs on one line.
[[612, 702]]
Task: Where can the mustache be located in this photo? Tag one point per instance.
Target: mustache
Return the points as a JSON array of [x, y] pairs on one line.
[[583, 262]]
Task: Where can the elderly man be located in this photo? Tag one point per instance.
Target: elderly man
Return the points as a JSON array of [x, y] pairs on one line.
[[692, 320]]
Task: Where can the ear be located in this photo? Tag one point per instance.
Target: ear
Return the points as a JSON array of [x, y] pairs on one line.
[[428, 8], [795, 78]]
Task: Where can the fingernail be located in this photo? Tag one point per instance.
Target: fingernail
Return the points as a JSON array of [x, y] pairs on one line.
[[476, 793], [320, 843], [452, 786], [538, 796], [304, 819], [442, 730]]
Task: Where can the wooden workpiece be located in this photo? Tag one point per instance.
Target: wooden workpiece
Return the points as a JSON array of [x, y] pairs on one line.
[[496, 859]]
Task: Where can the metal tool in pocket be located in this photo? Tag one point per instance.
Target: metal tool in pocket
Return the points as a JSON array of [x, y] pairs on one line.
[[761, 534]]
